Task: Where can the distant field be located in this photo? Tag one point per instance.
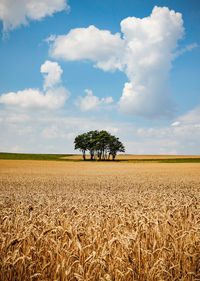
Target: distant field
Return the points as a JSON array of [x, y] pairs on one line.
[[146, 158], [78, 220], [131, 156], [120, 158]]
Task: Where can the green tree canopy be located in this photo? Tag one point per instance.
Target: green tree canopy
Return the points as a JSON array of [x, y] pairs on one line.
[[100, 144], [81, 143]]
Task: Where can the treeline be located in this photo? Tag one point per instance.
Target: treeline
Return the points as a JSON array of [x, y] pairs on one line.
[[100, 144]]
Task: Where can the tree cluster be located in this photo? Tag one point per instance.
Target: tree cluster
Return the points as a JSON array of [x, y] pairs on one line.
[[100, 144]]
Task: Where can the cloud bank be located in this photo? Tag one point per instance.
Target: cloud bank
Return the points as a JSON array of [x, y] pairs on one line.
[[14, 13], [52, 97], [144, 52], [53, 132]]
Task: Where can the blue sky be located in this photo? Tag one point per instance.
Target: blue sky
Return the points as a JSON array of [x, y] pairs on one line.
[[129, 67]]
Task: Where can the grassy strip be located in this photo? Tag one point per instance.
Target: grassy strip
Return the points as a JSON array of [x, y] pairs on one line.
[[27, 156]]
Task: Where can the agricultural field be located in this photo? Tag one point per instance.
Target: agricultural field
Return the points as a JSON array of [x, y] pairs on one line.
[[76, 220], [144, 158]]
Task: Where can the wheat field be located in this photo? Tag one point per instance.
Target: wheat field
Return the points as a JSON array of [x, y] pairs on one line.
[[99, 221]]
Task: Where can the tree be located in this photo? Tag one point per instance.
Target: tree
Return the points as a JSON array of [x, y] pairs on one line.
[[100, 144], [92, 142], [115, 146], [81, 143]]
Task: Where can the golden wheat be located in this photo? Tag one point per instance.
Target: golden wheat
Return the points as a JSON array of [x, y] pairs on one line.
[[99, 221]]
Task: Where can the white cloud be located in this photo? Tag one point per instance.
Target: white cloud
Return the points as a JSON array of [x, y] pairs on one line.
[[100, 46], [145, 54], [149, 45], [14, 13], [188, 48], [91, 102], [52, 97], [33, 98], [53, 75]]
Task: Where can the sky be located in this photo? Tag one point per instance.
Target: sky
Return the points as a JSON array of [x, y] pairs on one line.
[[130, 67]]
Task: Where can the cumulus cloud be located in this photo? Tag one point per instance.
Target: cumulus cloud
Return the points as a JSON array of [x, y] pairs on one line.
[[34, 98], [53, 97], [91, 102], [52, 74], [91, 43], [145, 53], [15, 13], [150, 43]]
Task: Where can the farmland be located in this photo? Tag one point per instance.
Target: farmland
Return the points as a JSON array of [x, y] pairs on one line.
[[63, 220]]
